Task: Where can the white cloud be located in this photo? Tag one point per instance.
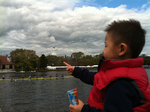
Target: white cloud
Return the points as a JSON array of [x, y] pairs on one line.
[[52, 39], [41, 25], [143, 6]]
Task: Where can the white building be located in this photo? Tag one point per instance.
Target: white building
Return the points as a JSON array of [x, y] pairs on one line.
[[54, 51]]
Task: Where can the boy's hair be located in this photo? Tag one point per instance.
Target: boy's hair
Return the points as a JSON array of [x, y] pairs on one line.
[[129, 32]]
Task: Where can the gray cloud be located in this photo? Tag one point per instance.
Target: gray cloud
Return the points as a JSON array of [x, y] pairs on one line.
[[40, 25]]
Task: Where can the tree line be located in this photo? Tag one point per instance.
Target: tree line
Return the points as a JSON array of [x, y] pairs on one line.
[[27, 60]]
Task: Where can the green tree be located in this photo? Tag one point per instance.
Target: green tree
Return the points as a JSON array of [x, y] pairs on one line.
[[55, 60], [96, 58], [87, 60], [69, 60], [146, 59], [25, 60], [51, 60], [43, 61], [77, 57]]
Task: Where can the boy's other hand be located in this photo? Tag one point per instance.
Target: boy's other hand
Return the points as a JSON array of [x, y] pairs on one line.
[[70, 68], [76, 108]]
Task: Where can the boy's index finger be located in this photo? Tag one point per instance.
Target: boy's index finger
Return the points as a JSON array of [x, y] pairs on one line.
[[67, 64]]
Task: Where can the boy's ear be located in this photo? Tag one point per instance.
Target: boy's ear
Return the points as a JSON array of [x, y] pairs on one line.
[[122, 49]]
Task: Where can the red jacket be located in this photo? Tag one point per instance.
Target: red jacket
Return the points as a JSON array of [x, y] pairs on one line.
[[112, 70]]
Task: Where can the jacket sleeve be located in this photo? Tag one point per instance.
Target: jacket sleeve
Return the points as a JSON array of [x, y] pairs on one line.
[[120, 96], [84, 75]]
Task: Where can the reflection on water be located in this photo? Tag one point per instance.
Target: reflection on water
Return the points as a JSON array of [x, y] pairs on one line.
[[48, 95]]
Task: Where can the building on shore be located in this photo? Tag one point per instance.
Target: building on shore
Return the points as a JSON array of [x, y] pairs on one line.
[[5, 63]]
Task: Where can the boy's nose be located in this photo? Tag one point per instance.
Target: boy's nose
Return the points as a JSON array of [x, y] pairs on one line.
[[103, 51]]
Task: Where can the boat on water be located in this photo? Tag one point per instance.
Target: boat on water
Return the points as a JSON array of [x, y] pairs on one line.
[[36, 78]]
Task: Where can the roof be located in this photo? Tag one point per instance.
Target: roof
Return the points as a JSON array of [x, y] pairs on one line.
[[4, 61]]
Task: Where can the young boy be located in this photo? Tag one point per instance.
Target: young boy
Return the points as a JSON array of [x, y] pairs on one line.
[[121, 83]]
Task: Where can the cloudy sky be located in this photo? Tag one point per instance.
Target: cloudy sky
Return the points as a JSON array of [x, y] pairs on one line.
[[69, 25]]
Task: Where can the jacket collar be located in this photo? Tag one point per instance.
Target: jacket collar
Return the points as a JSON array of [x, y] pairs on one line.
[[114, 63]]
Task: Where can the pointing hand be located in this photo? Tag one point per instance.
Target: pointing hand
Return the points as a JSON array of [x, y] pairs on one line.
[[70, 68]]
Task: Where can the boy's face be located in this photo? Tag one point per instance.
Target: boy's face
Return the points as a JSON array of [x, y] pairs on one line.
[[111, 51]]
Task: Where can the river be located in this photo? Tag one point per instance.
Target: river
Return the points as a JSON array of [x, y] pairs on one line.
[[48, 95]]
